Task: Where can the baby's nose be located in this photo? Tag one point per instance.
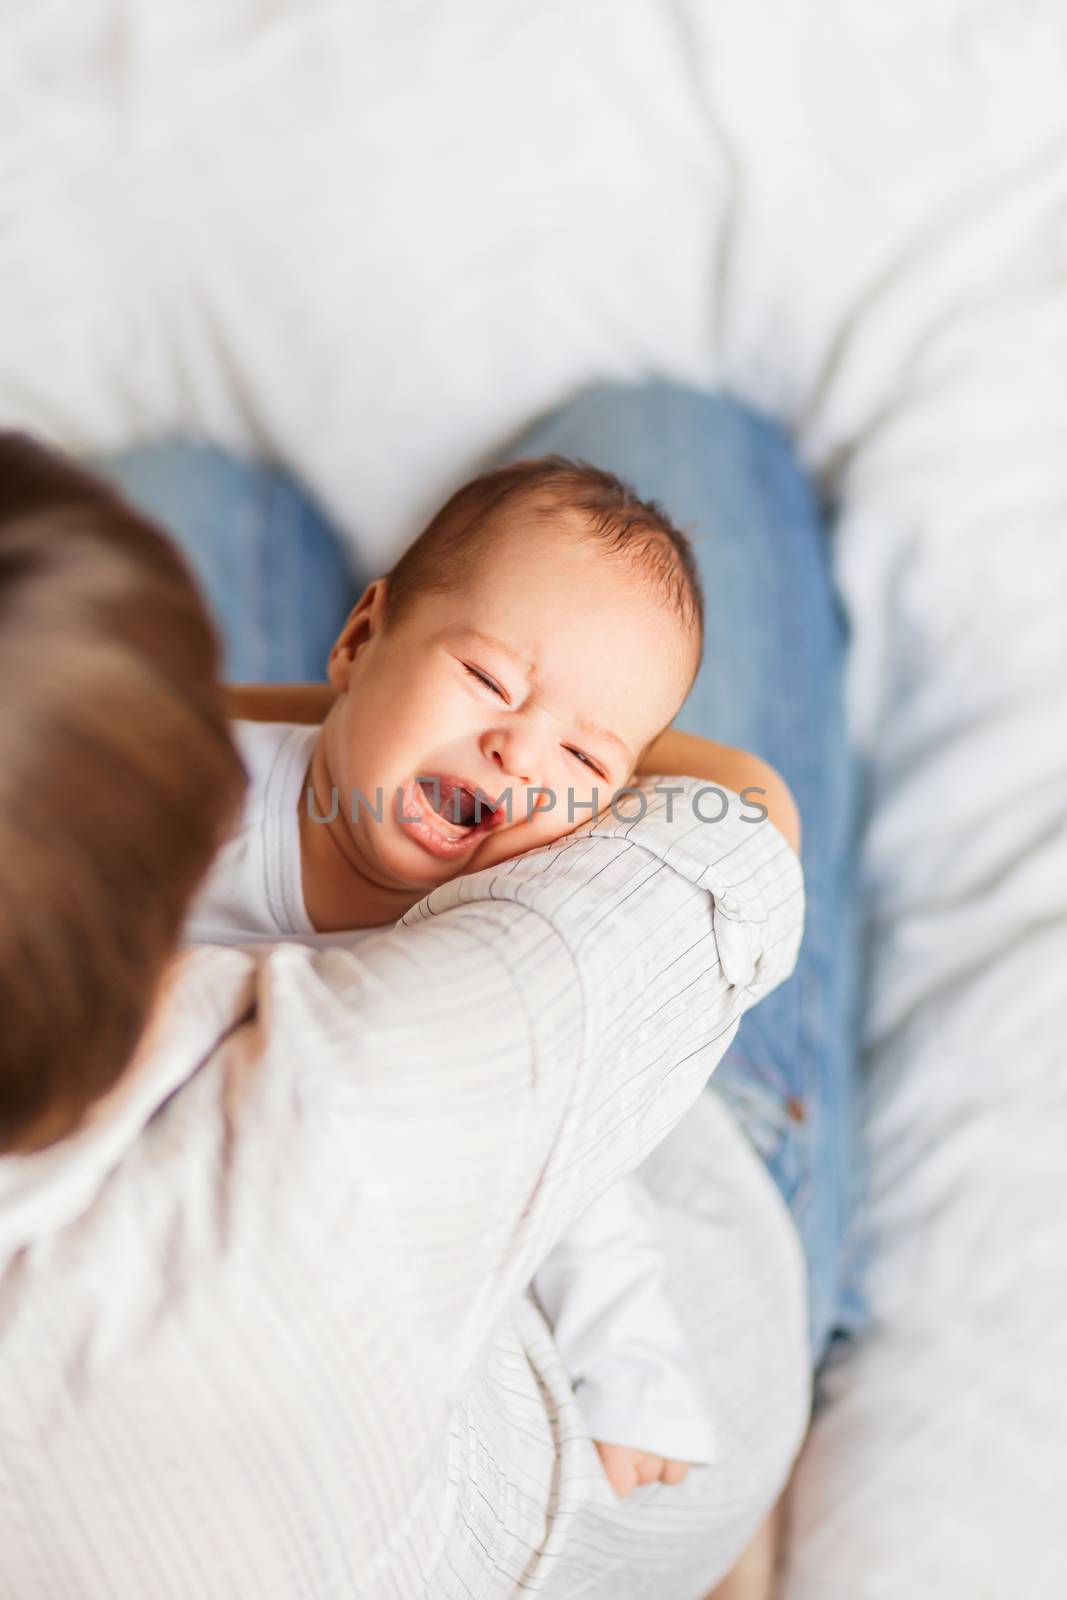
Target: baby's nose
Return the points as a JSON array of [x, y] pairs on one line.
[[514, 754], [512, 767]]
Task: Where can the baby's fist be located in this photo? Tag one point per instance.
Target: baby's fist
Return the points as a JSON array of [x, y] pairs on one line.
[[626, 1468]]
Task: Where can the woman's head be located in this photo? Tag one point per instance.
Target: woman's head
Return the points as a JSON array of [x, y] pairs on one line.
[[118, 779]]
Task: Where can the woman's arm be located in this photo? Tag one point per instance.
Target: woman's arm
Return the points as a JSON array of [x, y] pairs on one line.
[[524, 1035], [279, 702], [676, 754]]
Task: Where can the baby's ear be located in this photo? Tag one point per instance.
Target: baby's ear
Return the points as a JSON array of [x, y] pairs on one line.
[[337, 665], [344, 650], [364, 619]]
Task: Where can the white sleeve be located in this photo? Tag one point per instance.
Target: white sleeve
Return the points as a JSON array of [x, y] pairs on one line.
[[603, 1290], [522, 1037]]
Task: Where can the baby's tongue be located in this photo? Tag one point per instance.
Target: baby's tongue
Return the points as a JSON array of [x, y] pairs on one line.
[[445, 798]]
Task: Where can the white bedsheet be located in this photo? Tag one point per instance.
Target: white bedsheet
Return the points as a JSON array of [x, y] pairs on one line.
[[372, 240]]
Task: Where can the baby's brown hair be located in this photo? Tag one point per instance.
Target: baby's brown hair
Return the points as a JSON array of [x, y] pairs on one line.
[[118, 779], [605, 508]]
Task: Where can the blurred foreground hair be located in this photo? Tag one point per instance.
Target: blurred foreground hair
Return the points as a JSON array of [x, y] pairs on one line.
[[118, 779]]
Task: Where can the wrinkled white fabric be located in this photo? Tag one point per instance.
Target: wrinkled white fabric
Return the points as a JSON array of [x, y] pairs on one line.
[[604, 1285]]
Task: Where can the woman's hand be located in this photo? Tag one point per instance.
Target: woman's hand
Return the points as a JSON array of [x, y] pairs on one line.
[[279, 702]]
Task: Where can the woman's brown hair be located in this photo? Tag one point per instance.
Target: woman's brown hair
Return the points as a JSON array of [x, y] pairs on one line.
[[118, 779]]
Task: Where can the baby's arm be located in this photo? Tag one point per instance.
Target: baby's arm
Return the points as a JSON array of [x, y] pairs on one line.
[[603, 1290]]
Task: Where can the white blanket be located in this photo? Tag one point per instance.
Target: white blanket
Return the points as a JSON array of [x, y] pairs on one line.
[[372, 240]]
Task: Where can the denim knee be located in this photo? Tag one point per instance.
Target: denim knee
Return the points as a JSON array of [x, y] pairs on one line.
[[278, 577]]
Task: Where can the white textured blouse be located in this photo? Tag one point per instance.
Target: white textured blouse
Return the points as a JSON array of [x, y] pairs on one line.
[[263, 1329], [602, 1287]]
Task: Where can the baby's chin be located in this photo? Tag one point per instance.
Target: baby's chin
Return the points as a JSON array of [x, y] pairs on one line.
[[494, 848]]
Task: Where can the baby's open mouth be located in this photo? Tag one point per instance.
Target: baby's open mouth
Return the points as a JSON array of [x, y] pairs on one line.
[[454, 802], [447, 814]]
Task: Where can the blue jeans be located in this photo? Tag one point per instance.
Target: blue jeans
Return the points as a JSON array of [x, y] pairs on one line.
[[770, 682]]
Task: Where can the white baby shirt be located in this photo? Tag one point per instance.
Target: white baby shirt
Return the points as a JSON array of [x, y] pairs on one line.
[[253, 892], [602, 1286]]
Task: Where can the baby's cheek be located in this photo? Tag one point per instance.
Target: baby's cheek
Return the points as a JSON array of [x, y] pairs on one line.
[[557, 827], [513, 841], [544, 826]]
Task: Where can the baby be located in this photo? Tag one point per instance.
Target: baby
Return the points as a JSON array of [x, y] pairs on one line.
[[486, 697]]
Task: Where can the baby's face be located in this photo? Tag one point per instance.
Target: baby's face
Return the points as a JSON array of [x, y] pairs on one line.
[[550, 671]]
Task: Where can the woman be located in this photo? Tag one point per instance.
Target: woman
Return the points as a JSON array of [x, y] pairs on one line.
[[259, 1333]]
